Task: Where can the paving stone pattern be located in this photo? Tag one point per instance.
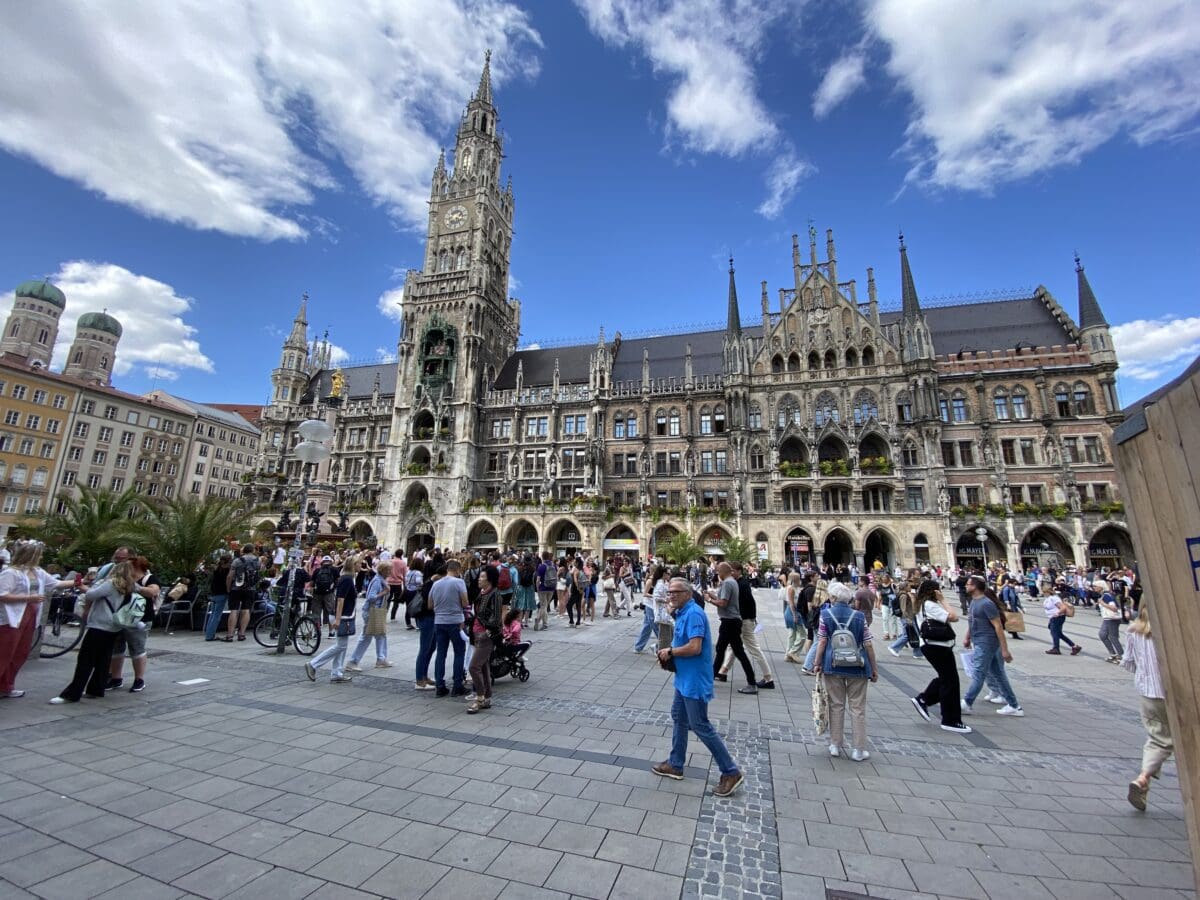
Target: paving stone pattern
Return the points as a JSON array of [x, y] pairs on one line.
[[259, 783]]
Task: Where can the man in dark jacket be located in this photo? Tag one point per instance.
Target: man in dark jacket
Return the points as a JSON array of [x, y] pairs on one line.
[[749, 610]]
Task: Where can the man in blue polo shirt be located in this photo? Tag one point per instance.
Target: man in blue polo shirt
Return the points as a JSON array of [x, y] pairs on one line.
[[692, 653]]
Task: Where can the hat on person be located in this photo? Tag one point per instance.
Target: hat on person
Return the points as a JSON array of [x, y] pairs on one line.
[[326, 559]]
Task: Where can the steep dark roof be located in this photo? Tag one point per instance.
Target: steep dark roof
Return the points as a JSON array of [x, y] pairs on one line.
[[1090, 313], [997, 325], [360, 380]]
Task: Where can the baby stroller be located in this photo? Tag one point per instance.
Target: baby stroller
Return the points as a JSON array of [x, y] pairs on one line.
[[509, 659]]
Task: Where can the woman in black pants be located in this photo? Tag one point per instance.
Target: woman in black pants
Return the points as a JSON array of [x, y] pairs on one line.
[[95, 652], [939, 650]]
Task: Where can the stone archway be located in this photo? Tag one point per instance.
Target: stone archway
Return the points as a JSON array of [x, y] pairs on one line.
[[522, 535], [879, 547], [621, 539], [482, 535], [1046, 546], [838, 548], [362, 532], [1111, 546], [711, 538], [799, 547], [565, 538], [970, 554], [420, 537]]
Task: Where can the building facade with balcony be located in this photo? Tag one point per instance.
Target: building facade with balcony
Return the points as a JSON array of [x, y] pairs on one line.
[[828, 428]]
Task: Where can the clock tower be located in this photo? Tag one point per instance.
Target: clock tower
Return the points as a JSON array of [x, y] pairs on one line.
[[458, 324]]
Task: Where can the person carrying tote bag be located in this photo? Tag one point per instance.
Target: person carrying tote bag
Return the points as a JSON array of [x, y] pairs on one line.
[[375, 620]]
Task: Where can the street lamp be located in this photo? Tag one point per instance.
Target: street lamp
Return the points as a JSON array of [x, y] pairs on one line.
[[312, 450], [981, 535]]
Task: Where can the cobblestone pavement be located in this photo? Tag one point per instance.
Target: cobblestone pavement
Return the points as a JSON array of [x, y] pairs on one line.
[[253, 782]]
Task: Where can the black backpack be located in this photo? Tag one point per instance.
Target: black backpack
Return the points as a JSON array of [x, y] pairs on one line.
[[325, 580], [526, 575], [245, 576]]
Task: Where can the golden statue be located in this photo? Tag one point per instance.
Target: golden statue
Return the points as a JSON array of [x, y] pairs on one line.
[[337, 384]]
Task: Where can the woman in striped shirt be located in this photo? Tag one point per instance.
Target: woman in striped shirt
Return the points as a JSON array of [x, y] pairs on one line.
[[1142, 660]]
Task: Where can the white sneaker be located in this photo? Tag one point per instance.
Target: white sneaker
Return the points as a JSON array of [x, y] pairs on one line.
[[835, 750], [957, 729], [895, 653], [353, 667], [860, 755], [966, 710], [382, 664], [1010, 711], [56, 701], [993, 698]]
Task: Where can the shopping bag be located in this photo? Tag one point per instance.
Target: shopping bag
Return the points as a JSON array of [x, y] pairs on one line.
[[968, 662], [1014, 622], [820, 706]]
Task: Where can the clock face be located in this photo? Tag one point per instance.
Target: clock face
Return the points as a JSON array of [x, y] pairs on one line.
[[456, 216]]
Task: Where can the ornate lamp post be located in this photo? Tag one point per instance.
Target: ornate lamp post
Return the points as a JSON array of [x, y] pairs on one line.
[[312, 450], [981, 535]]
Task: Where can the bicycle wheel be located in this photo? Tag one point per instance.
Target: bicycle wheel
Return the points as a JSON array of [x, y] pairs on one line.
[[60, 634], [266, 630], [306, 636]]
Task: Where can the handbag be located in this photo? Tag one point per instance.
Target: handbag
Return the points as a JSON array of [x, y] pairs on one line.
[[1068, 609], [346, 627], [416, 604], [376, 621], [1014, 622], [933, 630], [789, 620], [820, 706]]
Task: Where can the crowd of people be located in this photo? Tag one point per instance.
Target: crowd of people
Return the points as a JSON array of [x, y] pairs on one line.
[[468, 607]]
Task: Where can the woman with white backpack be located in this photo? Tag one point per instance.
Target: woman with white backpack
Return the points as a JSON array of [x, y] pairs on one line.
[[100, 614], [845, 659]]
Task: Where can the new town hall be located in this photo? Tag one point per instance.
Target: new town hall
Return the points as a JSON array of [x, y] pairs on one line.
[[825, 427]]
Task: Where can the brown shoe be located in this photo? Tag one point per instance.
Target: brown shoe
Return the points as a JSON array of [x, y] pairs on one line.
[[666, 770], [1075, 649], [728, 784]]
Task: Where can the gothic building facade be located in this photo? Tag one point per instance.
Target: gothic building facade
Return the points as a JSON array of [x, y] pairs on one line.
[[826, 429]]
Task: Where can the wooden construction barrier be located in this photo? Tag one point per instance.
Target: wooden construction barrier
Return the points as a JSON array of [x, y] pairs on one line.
[[1157, 451]]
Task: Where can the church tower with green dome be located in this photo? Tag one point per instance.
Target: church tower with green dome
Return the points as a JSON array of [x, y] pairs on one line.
[[94, 350], [32, 326]]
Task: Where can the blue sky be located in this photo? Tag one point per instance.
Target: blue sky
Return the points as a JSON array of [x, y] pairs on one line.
[[195, 171]]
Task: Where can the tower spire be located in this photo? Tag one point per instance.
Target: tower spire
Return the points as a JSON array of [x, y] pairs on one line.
[[1090, 314], [733, 322], [908, 290], [484, 92]]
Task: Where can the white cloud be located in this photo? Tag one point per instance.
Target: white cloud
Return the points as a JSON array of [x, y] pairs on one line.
[[388, 304], [1148, 348], [221, 115], [385, 355], [1005, 90], [783, 179], [842, 79], [154, 333], [338, 355], [161, 374], [708, 50]]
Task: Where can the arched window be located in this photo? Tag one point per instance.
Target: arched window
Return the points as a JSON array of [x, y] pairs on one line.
[[705, 420], [1020, 404], [16, 327], [793, 362], [461, 260], [851, 358], [1081, 399], [104, 362], [443, 261], [789, 411], [830, 359], [911, 456], [673, 429], [943, 407], [866, 407], [757, 459], [958, 407], [814, 361], [719, 420], [826, 410], [868, 356], [1000, 403], [755, 422], [78, 357], [660, 422], [1062, 401], [619, 425], [776, 364], [904, 409], [631, 425]]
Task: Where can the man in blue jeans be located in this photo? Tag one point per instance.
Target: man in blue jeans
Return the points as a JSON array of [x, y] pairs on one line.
[[985, 633], [691, 651], [448, 597]]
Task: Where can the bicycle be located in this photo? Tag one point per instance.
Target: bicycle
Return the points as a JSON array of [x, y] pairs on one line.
[[304, 632], [62, 631]]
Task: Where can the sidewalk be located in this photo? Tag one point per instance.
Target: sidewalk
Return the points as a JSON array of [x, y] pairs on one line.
[[256, 782]]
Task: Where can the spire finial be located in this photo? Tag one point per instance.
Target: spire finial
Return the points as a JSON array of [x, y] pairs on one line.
[[1078, 264], [733, 319], [730, 263], [1090, 313], [902, 239], [484, 94]]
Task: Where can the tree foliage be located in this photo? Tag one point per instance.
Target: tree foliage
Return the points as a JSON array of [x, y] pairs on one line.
[[89, 528], [680, 550], [738, 549], [178, 534]]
